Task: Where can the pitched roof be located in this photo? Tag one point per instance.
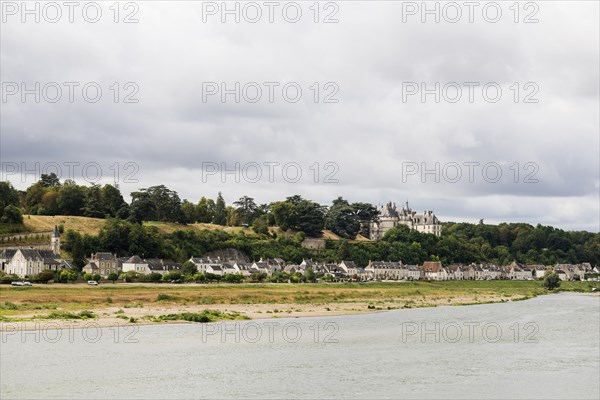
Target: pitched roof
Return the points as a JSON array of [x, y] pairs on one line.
[[7, 254], [432, 266], [31, 254], [104, 256], [51, 261], [385, 264], [134, 260], [92, 265]]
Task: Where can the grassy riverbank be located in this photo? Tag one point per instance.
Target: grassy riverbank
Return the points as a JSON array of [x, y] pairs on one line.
[[152, 303]]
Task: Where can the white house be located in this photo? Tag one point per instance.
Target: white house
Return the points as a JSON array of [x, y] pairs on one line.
[[385, 270], [135, 263], [433, 270]]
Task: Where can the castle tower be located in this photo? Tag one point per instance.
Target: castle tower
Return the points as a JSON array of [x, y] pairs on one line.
[[55, 241]]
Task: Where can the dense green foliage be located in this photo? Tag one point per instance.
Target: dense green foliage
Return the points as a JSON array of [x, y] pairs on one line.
[[551, 281], [8, 197], [459, 243], [49, 197], [124, 234]]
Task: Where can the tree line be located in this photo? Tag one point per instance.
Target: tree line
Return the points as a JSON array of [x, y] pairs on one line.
[[124, 232], [460, 243], [49, 196]]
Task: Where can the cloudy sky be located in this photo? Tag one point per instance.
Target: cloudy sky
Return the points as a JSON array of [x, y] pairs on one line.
[[373, 101]]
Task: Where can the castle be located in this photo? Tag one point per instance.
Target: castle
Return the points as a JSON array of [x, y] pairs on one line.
[[390, 216]]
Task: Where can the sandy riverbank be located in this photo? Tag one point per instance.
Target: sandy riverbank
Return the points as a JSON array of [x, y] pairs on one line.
[[145, 315], [53, 306]]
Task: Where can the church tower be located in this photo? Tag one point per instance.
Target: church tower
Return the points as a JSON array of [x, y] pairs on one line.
[[55, 241]]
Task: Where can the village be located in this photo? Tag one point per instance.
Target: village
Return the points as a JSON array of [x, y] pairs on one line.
[[27, 263]]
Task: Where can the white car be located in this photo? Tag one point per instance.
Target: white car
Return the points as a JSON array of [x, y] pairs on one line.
[[94, 283], [17, 283]]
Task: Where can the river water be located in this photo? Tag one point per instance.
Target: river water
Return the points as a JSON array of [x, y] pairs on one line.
[[544, 348]]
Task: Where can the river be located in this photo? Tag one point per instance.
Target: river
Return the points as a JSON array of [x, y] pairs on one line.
[[547, 347]]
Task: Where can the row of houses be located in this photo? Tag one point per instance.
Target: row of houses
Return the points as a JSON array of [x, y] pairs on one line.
[[27, 262], [435, 271], [396, 270]]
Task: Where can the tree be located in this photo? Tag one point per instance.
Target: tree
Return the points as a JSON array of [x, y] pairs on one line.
[[189, 268], [343, 252], [11, 215], [261, 225], [71, 199], [190, 212], [114, 236], [93, 202], [311, 217], [220, 217], [45, 276], [112, 200], [246, 209], [174, 275], [154, 277], [551, 281], [73, 243], [258, 277], [233, 278], [206, 210], [68, 276], [156, 203], [366, 213], [49, 180], [142, 208], [145, 241], [285, 214], [8, 196], [49, 205], [233, 218], [342, 219], [113, 276]]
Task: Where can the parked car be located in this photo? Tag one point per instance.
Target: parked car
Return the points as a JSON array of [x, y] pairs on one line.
[[93, 283], [26, 283], [17, 283]]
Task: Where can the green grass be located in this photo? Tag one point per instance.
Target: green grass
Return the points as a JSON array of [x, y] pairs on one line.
[[56, 315], [73, 297], [202, 317], [165, 297], [68, 315]]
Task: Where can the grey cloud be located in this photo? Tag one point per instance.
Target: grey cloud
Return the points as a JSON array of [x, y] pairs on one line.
[[369, 133]]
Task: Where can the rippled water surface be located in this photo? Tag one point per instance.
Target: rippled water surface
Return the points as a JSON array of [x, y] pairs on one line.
[[547, 347]]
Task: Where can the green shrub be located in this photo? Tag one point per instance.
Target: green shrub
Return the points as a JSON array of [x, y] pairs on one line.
[[551, 281], [165, 297]]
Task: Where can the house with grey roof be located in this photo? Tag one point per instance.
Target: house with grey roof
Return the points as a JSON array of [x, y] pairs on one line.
[[136, 264], [103, 264], [518, 271], [384, 270], [30, 262], [203, 264]]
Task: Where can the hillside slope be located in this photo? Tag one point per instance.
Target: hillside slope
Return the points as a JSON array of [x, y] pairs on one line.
[[91, 226]]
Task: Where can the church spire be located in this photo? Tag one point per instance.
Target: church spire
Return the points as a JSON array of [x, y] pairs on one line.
[[55, 241]]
